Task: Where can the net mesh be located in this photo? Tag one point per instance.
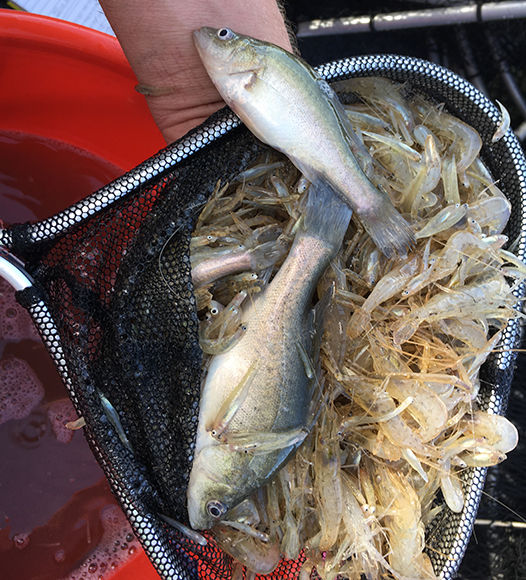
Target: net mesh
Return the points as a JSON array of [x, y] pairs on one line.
[[113, 301]]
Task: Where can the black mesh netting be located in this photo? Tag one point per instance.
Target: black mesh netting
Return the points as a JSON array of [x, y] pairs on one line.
[[114, 303]]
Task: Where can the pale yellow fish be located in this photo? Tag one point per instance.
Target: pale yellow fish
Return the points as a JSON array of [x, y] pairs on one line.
[[282, 100], [256, 396]]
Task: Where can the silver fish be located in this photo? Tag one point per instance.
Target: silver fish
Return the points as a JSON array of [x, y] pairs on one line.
[[285, 104], [256, 397]]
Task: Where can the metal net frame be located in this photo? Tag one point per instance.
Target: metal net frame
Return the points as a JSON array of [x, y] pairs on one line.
[[107, 283]]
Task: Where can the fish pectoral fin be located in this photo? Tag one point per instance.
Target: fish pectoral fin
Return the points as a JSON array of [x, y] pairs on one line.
[[261, 443], [252, 81], [249, 77], [232, 403]]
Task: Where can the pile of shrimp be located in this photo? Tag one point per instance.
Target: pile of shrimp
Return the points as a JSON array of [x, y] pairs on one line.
[[404, 341]]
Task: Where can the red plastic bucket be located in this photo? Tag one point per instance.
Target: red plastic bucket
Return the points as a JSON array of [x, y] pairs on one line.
[[70, 121], [73, 84]]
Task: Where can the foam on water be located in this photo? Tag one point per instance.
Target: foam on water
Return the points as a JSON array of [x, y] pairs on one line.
[[117, 544], [20, 389], [59, 413], [15, 322]]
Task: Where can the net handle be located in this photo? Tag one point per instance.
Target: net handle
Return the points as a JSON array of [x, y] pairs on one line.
[[12, 270]]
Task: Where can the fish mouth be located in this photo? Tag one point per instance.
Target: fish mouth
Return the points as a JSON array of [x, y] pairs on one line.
[[213, 56], [202, 39]]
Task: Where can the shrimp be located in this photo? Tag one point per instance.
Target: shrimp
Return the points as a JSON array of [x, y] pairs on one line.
[[290, 543], [427, 177], [224, 324], [383, 411], [459, 247], [396, 146], [327, 465], [259, 557], [504, 123], [249, 175], [451, 488], [402, 509], [465, 141], [386, 288], [450, 181], [495, 432], [491, 214], [426, 407], [473, 300], [445, 219]]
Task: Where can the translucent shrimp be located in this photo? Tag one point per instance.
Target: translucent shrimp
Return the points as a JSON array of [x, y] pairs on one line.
[[426, 407], [427, 178], [421, 132], [365, 121], [387, 287], [504, 123], [113, 417], [477, 299], [451, 488], [258, 171], [199, 241], [283, 193], [205, 253], [492, 214], [222, 330], [361, 546], [258, 557], [223, 344], [461, 246], [470, 332], [386, 358], [401, 116], [381, 406], [450, 180], [465, 141], [403, 522], [494, 432], [443, 220], [327, 465], [290, 543], [396, 146]]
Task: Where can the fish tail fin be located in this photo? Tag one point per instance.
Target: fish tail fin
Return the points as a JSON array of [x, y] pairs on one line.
[[388, 229], [326, 216]]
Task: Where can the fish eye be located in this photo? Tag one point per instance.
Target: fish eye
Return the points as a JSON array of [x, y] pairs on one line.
[[225, 34], [216, 509]]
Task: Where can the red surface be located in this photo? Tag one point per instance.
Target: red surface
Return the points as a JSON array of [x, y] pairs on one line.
[[73, 84], [137, 568]]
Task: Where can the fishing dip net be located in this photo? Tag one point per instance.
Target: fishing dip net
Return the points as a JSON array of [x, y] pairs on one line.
[[108, 285]]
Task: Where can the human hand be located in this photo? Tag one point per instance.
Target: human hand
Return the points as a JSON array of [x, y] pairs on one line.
[[157, 40]]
